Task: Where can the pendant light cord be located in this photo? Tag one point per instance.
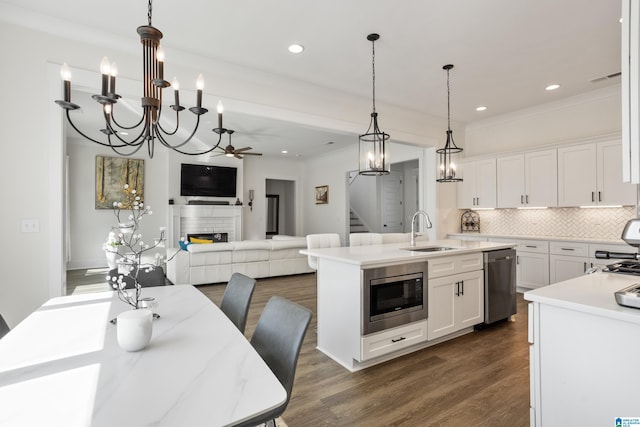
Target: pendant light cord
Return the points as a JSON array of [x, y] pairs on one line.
[[373, 68], [448, 103], [149, 13]]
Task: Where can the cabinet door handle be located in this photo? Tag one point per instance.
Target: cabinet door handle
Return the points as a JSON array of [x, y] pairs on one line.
[[567, 249], [530, 246], [593, 196], [462, 286], [478, 199], [517, 259], [521, 199], [526, 199], [599, 196], [398, 339], [457, 289], [585, 267]]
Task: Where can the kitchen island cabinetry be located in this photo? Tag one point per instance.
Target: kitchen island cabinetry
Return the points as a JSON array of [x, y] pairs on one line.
[[453, 308], [583, 352]]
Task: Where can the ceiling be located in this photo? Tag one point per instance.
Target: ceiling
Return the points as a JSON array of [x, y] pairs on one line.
[[505, 52]]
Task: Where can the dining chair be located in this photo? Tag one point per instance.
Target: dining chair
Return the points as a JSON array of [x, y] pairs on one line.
[[236, 299], [318, 241], [365, 239], [277, 339], [4, 328]]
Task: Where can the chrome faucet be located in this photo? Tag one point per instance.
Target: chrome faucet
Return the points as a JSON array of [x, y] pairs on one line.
[[413, 221]]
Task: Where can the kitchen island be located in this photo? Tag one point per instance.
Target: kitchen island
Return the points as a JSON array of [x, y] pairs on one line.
[[584, 352], [455, 298]]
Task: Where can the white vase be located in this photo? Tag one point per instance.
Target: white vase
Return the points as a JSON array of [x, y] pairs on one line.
[[111, 259], [134, 329]]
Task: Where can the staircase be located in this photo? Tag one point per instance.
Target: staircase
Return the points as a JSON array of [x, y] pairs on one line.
[[355, 223]]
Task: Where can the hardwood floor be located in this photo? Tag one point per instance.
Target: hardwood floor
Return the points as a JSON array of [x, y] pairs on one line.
[[480, 379]]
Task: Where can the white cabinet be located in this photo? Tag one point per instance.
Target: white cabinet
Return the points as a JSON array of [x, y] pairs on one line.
[[528, 179], [455, 302], [532, 263], [567, 260], [591, 175], [385, 342], [478, 190]]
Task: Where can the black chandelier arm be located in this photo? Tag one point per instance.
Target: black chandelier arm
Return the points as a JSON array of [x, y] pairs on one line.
[[138, 140], [86, 136], [156, 132], [187, 153], [113, 117], [177, 123], [114, 147]]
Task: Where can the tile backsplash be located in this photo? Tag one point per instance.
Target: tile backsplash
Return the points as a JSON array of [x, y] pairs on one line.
[[593, 223]]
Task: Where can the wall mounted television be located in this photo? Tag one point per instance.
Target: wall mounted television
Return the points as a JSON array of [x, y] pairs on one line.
[[207, 180]]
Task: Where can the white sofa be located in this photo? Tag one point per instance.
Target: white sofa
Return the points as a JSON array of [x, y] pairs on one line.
[[215, 262]]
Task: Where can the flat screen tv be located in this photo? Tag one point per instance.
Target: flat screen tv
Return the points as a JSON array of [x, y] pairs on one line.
[[207, 180]]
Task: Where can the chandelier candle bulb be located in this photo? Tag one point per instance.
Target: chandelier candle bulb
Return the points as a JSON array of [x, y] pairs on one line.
[[200, 87], [105, 70], [176, 94], [112, 79], [220, 109], [65, 73], [160, 55]]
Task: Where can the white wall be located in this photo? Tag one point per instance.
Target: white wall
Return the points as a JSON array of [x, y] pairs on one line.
[[592, 114], [89, 227]]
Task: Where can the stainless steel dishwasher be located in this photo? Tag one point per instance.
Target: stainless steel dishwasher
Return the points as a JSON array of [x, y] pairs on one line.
[[499, 285]]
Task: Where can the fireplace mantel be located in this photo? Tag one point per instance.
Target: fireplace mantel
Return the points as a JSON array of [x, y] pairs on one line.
[[187, 219]]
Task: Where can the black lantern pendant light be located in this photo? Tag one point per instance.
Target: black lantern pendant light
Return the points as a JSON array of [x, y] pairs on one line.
[[450, 156], [374, 152]]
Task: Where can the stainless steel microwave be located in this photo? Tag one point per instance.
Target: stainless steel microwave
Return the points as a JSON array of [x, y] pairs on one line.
[[393, 296]]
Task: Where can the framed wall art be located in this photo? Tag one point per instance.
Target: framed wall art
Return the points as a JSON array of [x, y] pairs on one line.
[[112, 173], [322, 195]]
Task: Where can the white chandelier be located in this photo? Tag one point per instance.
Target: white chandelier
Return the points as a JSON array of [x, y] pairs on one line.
[[148, 129]]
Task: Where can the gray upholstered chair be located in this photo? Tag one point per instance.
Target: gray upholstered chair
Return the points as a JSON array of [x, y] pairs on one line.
[[4, 328], [236, 299], [278, 338], [318, 241]]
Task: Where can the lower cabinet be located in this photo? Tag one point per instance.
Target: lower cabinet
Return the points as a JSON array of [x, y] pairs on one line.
[[455, 302], [386, 342], [532, 263]]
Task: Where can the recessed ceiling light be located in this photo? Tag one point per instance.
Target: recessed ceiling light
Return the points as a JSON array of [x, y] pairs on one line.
[[481, 108], [284, 151], [552, 87], [296, 48]]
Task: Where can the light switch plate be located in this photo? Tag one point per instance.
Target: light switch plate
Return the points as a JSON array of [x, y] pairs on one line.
[[30, 225]]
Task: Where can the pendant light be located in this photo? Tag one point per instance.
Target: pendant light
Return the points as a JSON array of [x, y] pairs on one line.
[[449, 157], [374, 153]]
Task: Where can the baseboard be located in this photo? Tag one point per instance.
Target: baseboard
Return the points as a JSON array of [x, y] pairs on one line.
[[77, 265]]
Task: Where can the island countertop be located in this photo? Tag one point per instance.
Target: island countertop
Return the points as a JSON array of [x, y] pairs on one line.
[[401, 252]]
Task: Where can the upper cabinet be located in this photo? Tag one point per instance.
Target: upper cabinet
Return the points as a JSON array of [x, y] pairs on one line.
[[529, 179], [591, 175], [478, 190]]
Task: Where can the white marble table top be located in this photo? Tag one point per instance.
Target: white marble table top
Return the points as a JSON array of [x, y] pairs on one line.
[[62, 366]]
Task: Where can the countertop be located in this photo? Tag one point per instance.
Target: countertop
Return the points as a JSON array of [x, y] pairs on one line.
[[401, 252], [546, 238], [592, 293]]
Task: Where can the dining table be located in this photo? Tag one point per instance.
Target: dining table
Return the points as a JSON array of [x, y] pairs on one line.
[[62, 366]]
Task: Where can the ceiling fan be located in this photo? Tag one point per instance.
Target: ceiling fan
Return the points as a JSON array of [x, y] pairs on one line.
[[231, 151]]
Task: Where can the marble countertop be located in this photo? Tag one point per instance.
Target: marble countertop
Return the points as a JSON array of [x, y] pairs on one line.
[[401, 252], [592, 293], [546, 238]]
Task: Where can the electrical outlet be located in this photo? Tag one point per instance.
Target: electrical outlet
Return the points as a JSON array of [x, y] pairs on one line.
[[30, 225]]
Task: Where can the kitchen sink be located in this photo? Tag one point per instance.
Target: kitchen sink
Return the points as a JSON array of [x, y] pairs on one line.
[[430, 249]]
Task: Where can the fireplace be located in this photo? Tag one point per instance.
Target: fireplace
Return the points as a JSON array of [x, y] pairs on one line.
[[214, 237]]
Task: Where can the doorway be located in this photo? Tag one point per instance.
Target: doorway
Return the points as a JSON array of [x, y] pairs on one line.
[[280, 207]]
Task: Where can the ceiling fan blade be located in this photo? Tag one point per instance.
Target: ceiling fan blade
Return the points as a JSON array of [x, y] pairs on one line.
[[237, 150], [237, 156], [252, 154], [216, 155]]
